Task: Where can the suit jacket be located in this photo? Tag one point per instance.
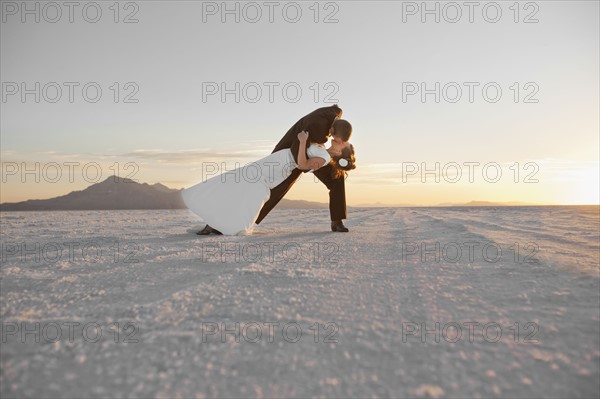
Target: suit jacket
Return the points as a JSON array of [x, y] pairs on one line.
[[317, 124]]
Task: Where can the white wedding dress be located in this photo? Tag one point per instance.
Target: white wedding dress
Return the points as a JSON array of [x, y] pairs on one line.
[[232, 201]]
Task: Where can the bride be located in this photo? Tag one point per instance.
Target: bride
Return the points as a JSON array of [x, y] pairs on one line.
[[231, 202]]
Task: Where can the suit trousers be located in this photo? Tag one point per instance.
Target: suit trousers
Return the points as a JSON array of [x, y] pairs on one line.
[[336, 186]]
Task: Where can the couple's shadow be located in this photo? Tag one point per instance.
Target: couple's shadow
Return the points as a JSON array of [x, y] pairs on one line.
[[257, 235], [310, 235]]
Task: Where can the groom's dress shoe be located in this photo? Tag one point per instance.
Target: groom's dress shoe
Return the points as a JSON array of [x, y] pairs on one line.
[[338, 226], [209, 230]]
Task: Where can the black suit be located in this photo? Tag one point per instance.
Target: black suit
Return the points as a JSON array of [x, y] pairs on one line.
[[317, 124]]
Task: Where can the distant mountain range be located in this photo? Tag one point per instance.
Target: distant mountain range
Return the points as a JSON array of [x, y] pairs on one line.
[[471, 203], [117, 193], [381, 205], [488, 203]]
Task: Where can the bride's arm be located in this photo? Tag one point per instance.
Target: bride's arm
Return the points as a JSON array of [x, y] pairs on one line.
[[303, 162]]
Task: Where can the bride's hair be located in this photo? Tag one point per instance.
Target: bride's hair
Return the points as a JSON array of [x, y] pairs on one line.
[[342, 164]]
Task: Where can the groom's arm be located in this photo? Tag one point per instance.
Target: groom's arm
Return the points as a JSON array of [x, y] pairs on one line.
[[318, 128], [321, 121], [317, 124]]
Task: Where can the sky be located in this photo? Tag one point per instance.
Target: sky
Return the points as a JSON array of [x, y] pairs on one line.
[[490, 102]]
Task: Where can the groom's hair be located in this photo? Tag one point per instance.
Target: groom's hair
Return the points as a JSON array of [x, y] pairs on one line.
[[342, 129]]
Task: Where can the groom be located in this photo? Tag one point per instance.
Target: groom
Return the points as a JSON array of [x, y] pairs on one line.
[[319, 126]]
